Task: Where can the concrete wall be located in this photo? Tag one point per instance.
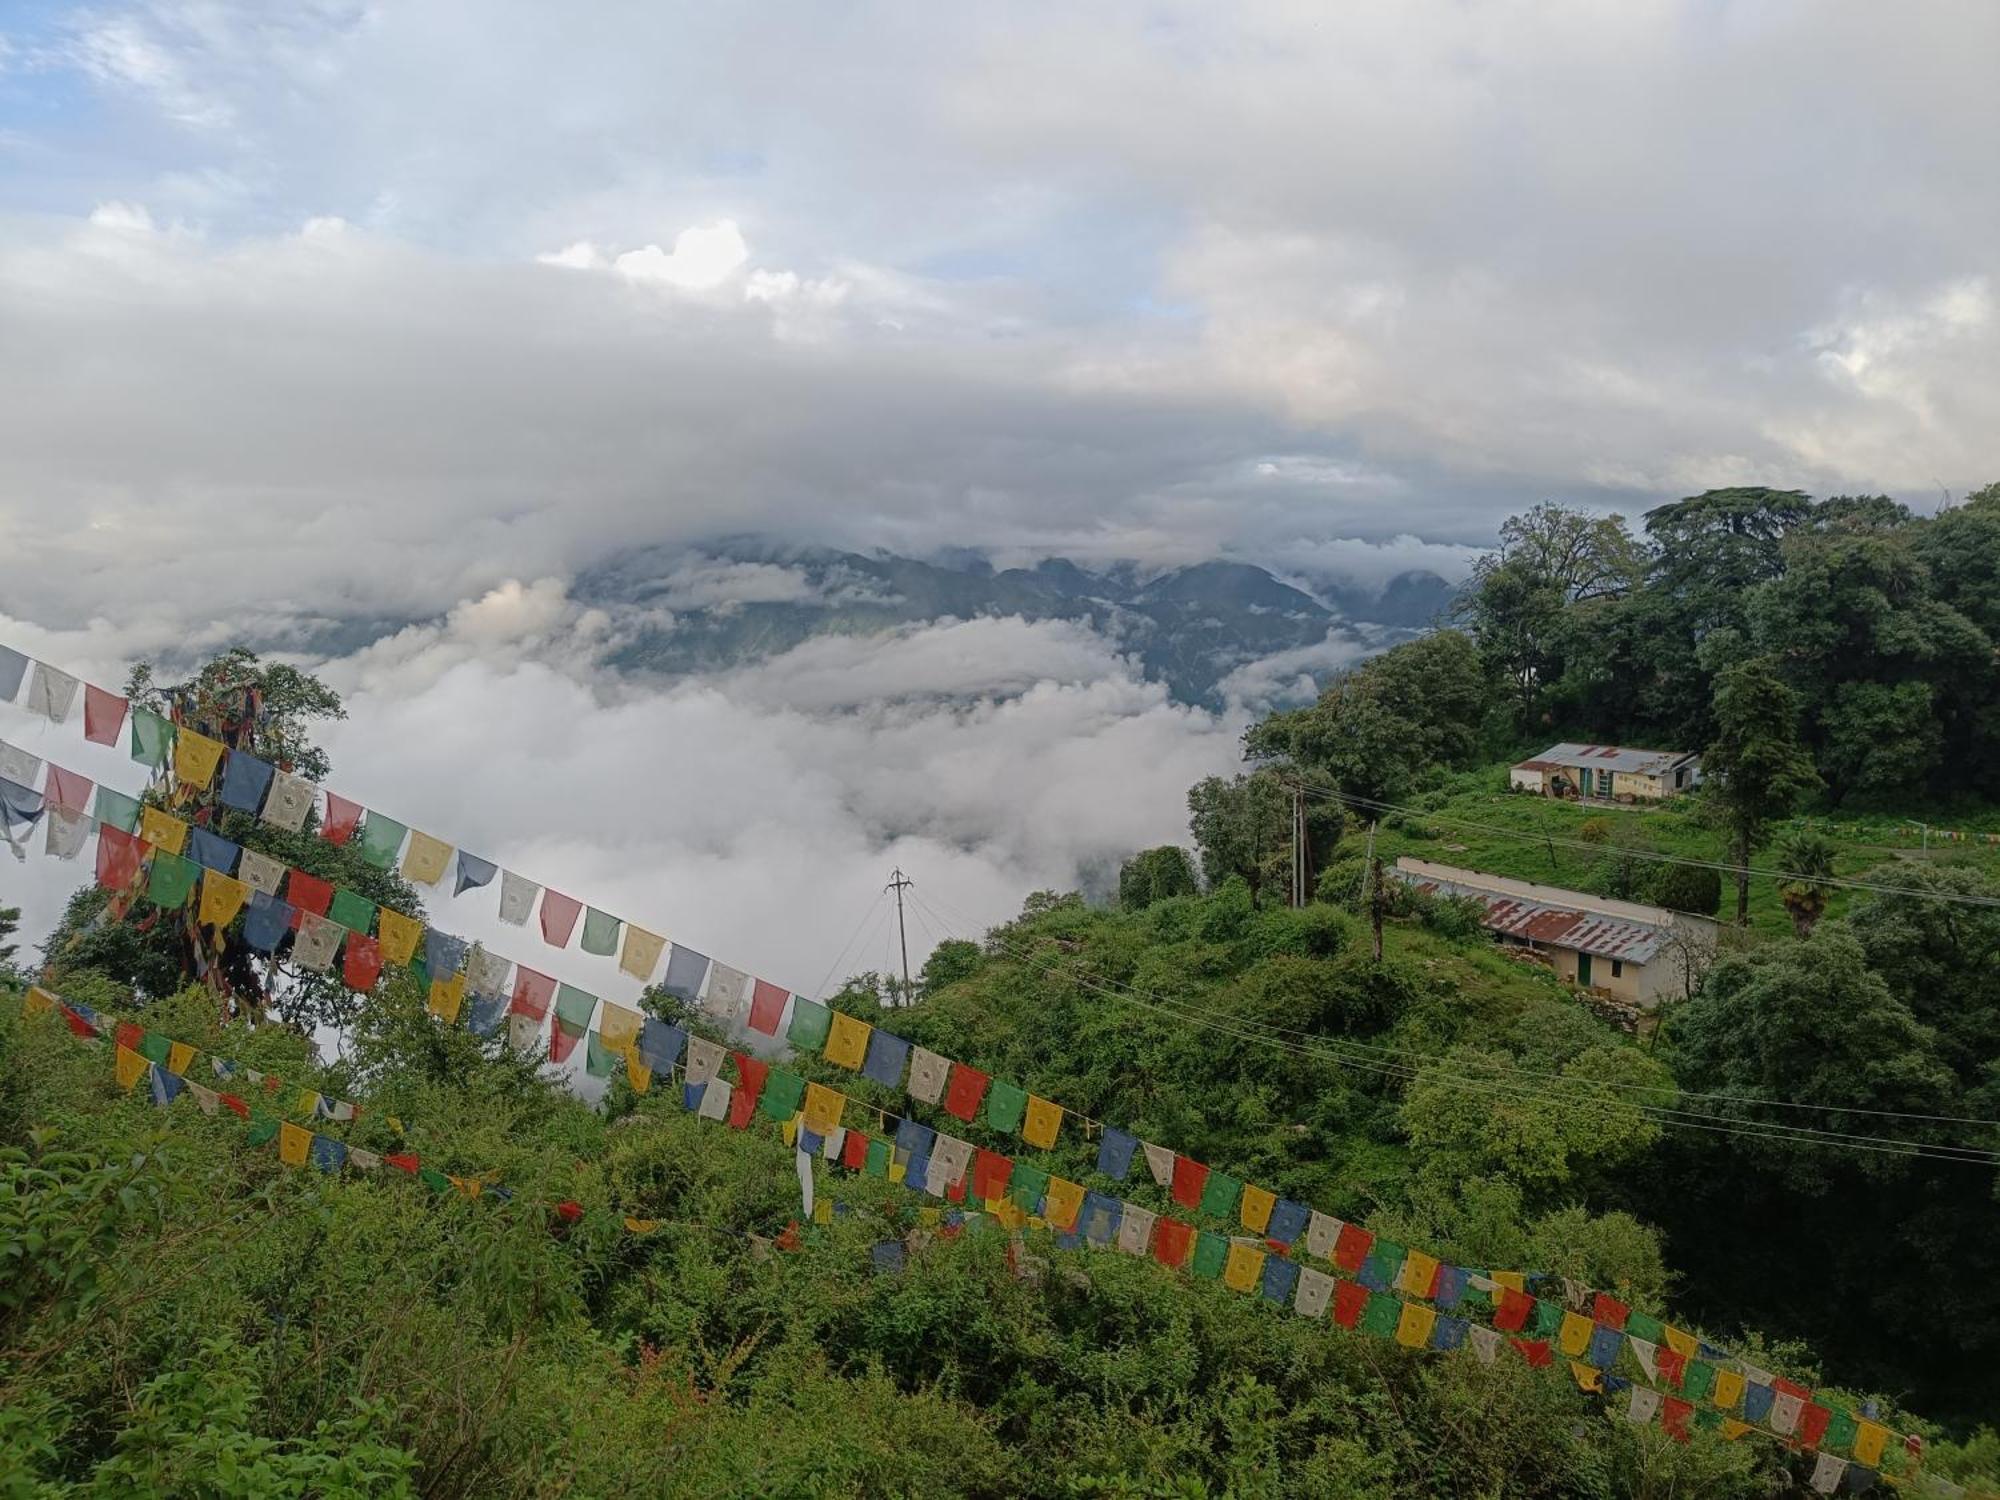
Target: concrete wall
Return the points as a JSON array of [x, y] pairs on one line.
[[1524, 781]]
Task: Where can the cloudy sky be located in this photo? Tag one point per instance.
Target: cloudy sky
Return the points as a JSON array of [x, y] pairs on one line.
[[405, 312]]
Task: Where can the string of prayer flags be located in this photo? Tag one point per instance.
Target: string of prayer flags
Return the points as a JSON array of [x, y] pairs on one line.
[[342, 821], [381, 840], [196, 758], [426, 859], [103, 715], [51, 692], [559, 914]]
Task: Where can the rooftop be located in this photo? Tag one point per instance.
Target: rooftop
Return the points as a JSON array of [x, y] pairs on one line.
[[1597, 933], [1606, 757]]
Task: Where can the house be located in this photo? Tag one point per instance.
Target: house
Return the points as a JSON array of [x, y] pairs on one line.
[[1607, 773], [1639, 954]]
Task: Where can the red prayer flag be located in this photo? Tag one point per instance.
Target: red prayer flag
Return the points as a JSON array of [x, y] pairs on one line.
[[1350, 1251], [103, 715], [767, 1005], [854, 1151], [1512, 1314], [750, 1076], [1786, 1387], [562, 1043], [1609, 1311], [1190, 1177], [118, 856], [405, 1161], [308, 893], [569, 1210], [363, 964], [966, 1089], [559, 914], [789, 1240], [1673, 1366], [343, 818], [129, 1035], [956, 1192], [1674, 1414], [532, 993], [1350, 1300], [990, 1171], [1812, 1424], [77, 1023], [68, 790], [235, 1106], [1536, 1352], [1172, 1239]]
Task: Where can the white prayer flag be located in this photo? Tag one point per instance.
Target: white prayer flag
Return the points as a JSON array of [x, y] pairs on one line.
[[1315, 1293], [51, 692], [1647, 1354], [715, 1100], [289, 800], [517, 898], [1827, 1473], [1321, 1232], [726, 989], [927, 1074], [317, 941], [1135, 1229], [67, 833], [1645, 1405], [703, 1058], [260, 872], [1785, 1411], [486, 973], [18, 766], [1485, 1342], [1160, 1162]]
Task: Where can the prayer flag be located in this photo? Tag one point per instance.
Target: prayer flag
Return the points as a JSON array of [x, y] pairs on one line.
[[260, 872], [1172, 1239], [782, 1092], [172, 880], [152, 738], [1728, 1388], [1674, 1414], [1244, 1267], [704, 1058], [1160, 1162], [1280, 1277], [294, 1144], [308, 892], [1114, 1152], [620, 1029], [155, 1047], [488, 1011], [117, 810], [1604, 1345], [600, 1061], [1064, 1202], [1218, 1197], [195, 757], [886, 1055], [1699, 1382], [399, 935], [1449, 1333], [532, 993], [750, 1076], [1136, 1227], [317, 941], [727, 990], [426, 860], [128, 1067], [847, 1041], [1211, 1255], [1043, 1121], [685, 971], [1574, 1337], [474, 872], [1757, 1399], [824, 1108], [1382, 1316], [13, 667], [50, 692], [1418, 1275], [966, 1089], [1414, 1325], [212, 851], [1535, 1351], [1098, 1220], [517, 898], [1005, 1104], [103, 715], [351, 910], [660, 1045], [1785, 1410], [1384, 1264], [810, 1025], [162, 830], [1449, 1289], [245, 781], [289, 802], [641, 953], [1812, 1424], [928, 1072], [166, 1086], [854, 1151], [715, 1099], [68, 790], [1644, 1405], [1485, 1343], [574, 1008], [66, 834], [1026, 1186], [949, 1157], [381, 840], [1190, 1182], [559, 914], [269, 920], [1350, 1301], [328, 1154], [1288, 1221], [488, 973], [18, 766], [637, 1073], [222, 897], [1827, 1473], [767, 1008], [1254, 1207], [1315, 1293], [1609, 1311], [600, 933]]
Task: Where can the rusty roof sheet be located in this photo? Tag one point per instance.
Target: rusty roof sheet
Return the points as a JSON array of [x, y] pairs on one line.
[[1610, 757], [1560, 926]]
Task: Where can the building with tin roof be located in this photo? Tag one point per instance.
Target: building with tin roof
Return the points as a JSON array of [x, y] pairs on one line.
[[1607, 773]]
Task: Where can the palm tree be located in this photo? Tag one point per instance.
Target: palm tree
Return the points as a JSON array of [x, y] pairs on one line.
[[1806, 858]]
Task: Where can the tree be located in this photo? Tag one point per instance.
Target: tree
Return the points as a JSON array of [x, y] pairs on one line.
[[1754, 771], [1155, 875], [10, 921], [1938, 951], [1238, 826], [1689, 888], [1808, 856]]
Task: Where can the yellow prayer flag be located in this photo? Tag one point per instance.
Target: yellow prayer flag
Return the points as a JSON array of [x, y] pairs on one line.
[[1574, 1338], [131, 1067], [1244, 1270], [1043, 1121], [898, 1171], [397, 935], [1868, 1440], [1587, 1377], [618, 1028], [822, 1211], [1681, 1343], [847, 1042], [179, 1055], [930, 1218], [1413, 1328], [37, 1002], [1007, 1212], [195, 757], [1418, 1273], [294, 1144], [789, 1130], [1733, 1429], [472, 1187], [1255, 1208], [824, 1107], [1064, 1202], [641, 954], [162, 830], [426, 860], [307, 1103], [1728, 1388], [447, 995], [222, 897], [640, 1075], [1514, 1281], [642, 1226]]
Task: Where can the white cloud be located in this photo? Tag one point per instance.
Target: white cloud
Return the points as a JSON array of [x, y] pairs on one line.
[[702, 259]]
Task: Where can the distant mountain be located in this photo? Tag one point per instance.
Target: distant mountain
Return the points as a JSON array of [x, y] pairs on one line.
[[708, 609]]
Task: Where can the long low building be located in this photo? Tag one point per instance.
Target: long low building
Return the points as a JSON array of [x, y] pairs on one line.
[[1607, 773], [1631, 952]]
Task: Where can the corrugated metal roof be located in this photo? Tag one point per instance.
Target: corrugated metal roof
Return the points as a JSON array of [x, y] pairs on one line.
[[1560, 926], [1606, 757]]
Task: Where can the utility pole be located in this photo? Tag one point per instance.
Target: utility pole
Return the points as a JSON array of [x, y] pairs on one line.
[[899, 882], [1372, 883], [1298, 844]]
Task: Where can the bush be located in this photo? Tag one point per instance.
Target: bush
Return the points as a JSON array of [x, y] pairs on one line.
[[1596, 830], [1688, 888]]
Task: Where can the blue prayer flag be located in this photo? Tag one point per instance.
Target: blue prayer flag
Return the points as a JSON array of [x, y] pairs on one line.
[[13, 666], [1280, 1276], [885, 1059], [1604, 1346], [1114, 1155], [1288, 1221], [691, 1096], [166, 1086], [914, 1137], [268, 922], [660, 1044], [1451, 1283], [328, 1154], [245, 780], [1448, 1333], [1100, 1216], [213, 852], [488, 1011], [685, 971], [811, 1141], [473, 872], [1757, 1402], [444, 955]]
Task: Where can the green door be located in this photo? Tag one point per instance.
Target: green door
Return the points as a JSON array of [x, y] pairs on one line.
[[1583, 970]]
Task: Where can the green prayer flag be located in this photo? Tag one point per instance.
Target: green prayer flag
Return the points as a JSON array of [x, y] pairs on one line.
[[421, 968], [117, 809], [877, 1164], [600, 932], [1219, 1195], [171, 881], [1840, 1429], [263, 1129], [574, 1008], [1473, 1303], [155, 1047], [599, 1061], [781, 1096], [1004, 1106], [1699, 1382], [1708, 1417], [1645, 1326], [433, 1179], [1381, 1315], [1211, 1253], [1026, 1186], [354, 912], [381, 840], [1548, 1317], [152, 737], [1388, 1257], [811, 1024]]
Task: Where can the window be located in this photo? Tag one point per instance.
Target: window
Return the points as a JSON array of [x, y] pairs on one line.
[[1617, 968], [1603, 782]]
